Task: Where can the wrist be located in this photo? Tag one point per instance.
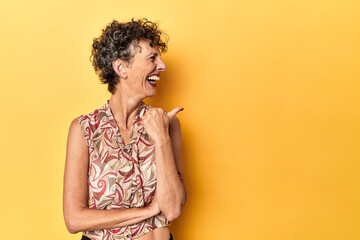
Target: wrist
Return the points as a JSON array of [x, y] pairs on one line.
[[163, 140], [150, 211]]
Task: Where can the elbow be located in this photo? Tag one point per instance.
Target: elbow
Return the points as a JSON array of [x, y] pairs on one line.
[[72, 224], [71, 228], [176, 212], [171, 216]]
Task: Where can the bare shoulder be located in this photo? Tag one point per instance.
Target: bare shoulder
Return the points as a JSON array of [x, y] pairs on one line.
[[75, 191], [77, 155], [76, 135], [77, 148], [75, 125]]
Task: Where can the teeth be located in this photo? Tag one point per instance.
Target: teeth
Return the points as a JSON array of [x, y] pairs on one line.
[[154, 77]]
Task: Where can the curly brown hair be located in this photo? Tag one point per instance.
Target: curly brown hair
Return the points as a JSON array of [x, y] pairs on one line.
[[118, 41]]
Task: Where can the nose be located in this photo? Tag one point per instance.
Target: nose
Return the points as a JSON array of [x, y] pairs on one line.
[[161, 65]]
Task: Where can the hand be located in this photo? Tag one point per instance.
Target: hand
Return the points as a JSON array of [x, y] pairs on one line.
[[153, 206], [156, 122]]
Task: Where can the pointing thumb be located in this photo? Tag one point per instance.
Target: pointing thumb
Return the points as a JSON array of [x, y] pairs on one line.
[[173, 112]]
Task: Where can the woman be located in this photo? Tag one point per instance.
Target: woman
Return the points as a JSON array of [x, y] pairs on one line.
[[123, 171]]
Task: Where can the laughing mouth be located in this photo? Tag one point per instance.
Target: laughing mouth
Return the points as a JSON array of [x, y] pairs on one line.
[[153, 78]]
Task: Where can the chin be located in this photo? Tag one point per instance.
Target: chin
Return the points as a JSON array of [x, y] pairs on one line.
[[152, 94]]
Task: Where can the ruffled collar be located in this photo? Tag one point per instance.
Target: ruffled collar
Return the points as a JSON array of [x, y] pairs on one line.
[[136, 129]]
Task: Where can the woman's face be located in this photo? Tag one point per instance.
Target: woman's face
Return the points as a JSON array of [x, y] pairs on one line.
[[144, 71]]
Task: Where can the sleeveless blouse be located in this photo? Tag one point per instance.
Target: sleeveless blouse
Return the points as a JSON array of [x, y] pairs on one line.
[[120, 175]]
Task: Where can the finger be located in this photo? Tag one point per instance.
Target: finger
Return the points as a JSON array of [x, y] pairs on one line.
[[173, 112]]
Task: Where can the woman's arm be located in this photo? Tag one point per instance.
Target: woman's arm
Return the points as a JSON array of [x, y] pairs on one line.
[[78, 217], [171, 191]]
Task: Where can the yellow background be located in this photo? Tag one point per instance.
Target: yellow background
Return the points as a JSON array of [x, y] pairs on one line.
[[270, 129]]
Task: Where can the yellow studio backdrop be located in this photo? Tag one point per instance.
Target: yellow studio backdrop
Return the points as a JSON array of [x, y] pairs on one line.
[[270, 126]]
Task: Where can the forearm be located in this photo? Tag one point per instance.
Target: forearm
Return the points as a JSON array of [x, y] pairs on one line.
[[86, 219], [170, 189]]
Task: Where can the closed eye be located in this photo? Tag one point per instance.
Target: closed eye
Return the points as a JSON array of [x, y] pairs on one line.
[[153, 57]]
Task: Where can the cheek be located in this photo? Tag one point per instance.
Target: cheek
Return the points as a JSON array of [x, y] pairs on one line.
[[144, 74]]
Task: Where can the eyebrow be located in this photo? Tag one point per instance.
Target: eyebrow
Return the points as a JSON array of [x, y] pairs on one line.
[[152, 54]]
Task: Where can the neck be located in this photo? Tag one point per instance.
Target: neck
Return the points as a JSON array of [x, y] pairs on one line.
[[124, 108]]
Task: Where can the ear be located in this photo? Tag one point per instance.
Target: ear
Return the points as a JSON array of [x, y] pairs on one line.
[[119, 67]]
